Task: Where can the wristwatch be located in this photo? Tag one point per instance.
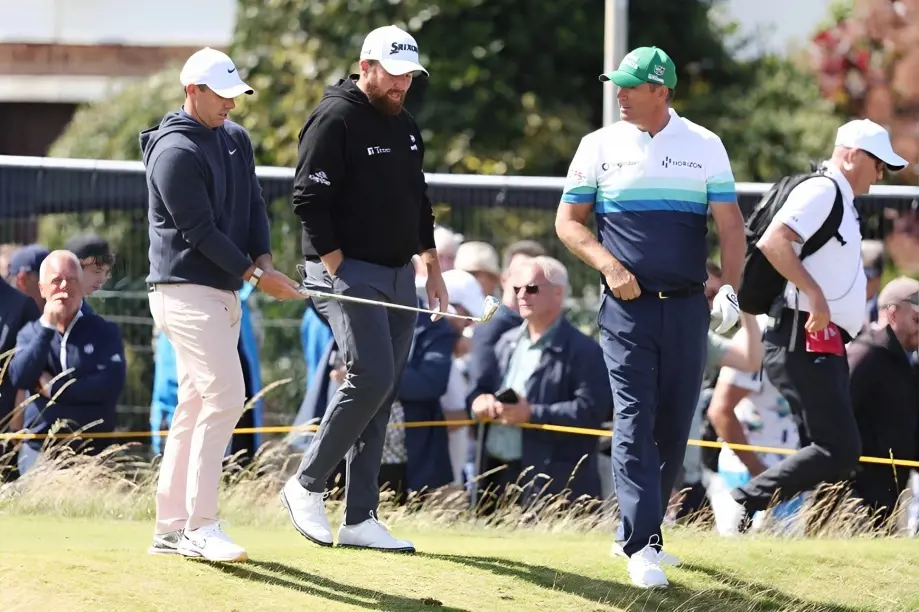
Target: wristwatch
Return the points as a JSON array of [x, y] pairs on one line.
[[256, 276]]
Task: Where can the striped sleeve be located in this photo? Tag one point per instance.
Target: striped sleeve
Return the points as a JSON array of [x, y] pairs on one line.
[[581, 182], [719, 180]]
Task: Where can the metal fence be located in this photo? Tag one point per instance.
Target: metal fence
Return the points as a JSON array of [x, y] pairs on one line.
[[47, 200]]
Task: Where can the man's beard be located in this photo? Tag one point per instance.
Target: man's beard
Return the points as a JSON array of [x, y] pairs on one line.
[[382, 102]]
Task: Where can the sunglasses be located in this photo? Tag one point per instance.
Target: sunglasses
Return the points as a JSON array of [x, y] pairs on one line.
[[530, 289], [879, 165]]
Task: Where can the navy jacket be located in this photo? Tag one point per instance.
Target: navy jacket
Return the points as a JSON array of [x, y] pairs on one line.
[[569, 387], [16, 310], [424, 381], [483, 365], [208, 220], [95, 350]]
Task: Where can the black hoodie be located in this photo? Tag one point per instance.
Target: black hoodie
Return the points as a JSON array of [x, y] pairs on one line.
[[208, 221], [359, 185]]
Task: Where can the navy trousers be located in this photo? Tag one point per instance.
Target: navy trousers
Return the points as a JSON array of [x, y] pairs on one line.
[[655, 351]]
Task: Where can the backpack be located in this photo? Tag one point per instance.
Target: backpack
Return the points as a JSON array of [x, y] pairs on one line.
[[761, 284]]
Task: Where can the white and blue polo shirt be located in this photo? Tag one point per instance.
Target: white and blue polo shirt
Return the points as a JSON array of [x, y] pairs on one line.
[[651, 196]]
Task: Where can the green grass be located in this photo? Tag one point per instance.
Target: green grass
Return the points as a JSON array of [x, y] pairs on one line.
[[74, 533], [49, 563]]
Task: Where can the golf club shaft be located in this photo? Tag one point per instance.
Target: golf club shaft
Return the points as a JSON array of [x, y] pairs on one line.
[[357, 300]]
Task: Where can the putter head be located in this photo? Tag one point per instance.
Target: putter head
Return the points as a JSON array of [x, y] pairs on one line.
[[491, 307]]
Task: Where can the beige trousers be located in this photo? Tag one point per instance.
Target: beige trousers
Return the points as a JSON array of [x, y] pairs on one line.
[[202, 324]]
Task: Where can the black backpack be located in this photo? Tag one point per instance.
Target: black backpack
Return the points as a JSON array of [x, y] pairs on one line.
[[760, 283]]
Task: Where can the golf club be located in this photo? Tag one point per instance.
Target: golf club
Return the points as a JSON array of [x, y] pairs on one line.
[[489, 308]]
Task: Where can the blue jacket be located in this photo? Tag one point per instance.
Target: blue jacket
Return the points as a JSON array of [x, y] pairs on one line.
[[424, 381], [207, 218], [95, 350], [319, 391], [483, 364], [570, 387], [16, 311]]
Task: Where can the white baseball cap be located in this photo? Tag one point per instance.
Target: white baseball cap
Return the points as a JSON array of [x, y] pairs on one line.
[[394, 48], [464, 290], [216, 70], [870, 137]]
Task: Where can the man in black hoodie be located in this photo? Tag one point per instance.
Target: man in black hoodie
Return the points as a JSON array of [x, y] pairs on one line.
[[208, 233], [360, 193]]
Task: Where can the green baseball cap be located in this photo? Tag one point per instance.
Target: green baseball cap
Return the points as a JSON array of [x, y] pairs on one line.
[[644, 65]]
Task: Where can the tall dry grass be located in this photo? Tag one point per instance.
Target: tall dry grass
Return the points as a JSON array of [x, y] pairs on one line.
[[116, 484]]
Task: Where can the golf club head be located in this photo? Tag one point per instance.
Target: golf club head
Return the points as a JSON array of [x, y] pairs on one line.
[[491, 307]]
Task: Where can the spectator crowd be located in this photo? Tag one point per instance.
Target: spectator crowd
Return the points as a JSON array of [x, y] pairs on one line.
[[63, 367]]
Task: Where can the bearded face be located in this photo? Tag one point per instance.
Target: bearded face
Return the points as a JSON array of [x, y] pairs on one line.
[[385, 91]]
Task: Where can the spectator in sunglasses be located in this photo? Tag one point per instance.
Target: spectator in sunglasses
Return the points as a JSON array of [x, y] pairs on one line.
[[96, 259], [549, 373]]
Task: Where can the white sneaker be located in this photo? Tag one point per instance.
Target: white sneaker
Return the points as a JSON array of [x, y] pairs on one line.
[[728, 513], [645, 569], [212, 544], [307, 512], [665, 558], [371, 534]]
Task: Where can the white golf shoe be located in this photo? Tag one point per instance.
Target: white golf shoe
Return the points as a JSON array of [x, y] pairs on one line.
[[664, 557], [307, 512], [729, 515], [371, 534], [645, 569], [212, 544]]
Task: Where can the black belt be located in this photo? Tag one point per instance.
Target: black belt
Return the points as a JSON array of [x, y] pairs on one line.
[[679, 293], [682, 292]]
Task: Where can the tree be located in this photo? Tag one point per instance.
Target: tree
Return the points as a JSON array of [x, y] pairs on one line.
[[866, 64]]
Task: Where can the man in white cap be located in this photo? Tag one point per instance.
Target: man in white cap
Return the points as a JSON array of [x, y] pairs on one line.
[[481, 260], [361, 196], [822, 310], [208, 235]]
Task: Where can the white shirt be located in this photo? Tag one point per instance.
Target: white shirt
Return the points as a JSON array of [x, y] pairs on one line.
[[455, 396], [836, 268]]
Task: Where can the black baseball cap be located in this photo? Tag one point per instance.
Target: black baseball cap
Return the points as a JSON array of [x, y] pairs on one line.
[[90, 246]]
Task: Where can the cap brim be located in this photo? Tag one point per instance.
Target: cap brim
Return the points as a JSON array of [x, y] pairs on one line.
[[885, 153], [399, 67], [233, 91], [894, 162], [622, 79]]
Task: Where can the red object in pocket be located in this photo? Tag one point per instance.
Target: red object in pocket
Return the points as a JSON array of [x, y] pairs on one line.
[[827, 341]]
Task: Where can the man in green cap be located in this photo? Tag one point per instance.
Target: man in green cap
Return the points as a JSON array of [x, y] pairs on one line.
[[651, 180]]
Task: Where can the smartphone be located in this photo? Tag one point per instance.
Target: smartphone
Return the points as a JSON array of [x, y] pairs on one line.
[[507, 396]]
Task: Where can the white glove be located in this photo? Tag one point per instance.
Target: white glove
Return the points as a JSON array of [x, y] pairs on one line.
[[725, 310]]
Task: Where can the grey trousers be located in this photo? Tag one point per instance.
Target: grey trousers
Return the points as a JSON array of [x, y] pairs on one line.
[[374, 342]]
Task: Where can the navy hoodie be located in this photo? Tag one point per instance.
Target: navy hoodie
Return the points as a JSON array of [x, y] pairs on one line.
[[208, 221]]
